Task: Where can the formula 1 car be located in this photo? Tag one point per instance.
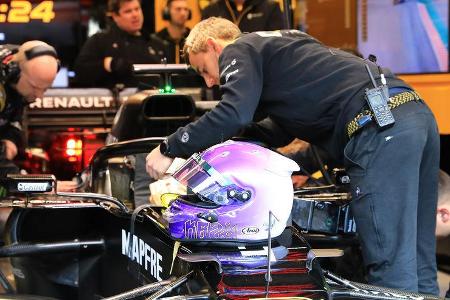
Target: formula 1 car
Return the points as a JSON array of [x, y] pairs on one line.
[[223, 240]]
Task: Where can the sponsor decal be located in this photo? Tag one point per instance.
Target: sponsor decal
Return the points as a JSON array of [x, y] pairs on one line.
[[254, 15], [259, 253], [194, 229], [230, 74], [32, 187], [250, 230], [269, 33], [18, 273], [151, 51], [81, 102], [185, 137], [233, 62], [138, 250]]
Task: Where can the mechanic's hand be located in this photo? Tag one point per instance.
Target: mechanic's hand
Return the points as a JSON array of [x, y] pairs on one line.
[[10, 150], [121, 67], [66, 186], [299, 180], [107, 63], [157, 164]]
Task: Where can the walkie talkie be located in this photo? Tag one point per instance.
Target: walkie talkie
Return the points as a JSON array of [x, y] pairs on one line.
[[378, 98]]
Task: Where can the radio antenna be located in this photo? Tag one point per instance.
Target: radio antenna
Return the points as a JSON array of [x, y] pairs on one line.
[[268, 275], [287, 13]]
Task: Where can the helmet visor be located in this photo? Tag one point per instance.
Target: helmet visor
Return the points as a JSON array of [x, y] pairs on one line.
[[205, 181]]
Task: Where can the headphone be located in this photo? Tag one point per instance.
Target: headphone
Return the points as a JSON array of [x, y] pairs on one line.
[[166, 12], [12, 69]]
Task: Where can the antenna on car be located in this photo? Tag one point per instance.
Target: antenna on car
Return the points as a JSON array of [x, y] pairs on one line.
[[268, 275]]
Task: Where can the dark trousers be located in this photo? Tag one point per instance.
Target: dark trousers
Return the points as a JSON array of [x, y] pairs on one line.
[[7, 167], [394, 180]]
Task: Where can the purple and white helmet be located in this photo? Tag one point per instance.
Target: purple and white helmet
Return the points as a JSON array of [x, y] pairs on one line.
[[236, 185]]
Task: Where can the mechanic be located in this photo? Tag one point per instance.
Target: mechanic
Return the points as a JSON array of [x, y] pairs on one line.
[[177, 13], [107, 57], [26, 72], [318, 94], [443, 210], [248, 15]]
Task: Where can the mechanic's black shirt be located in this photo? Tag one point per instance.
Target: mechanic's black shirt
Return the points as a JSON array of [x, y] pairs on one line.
[[11, 111], [256, 15], [116, 43], [173, 46], [309, 90]]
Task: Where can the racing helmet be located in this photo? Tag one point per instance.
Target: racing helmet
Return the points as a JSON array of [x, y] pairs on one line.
[[235, 185]]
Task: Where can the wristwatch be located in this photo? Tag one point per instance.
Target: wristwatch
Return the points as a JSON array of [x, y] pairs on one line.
[[164, 148]]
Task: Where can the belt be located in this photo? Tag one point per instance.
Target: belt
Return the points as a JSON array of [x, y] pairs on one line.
[[366, 115]]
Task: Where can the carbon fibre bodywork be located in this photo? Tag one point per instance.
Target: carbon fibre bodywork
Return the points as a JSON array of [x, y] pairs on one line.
[[84, 250]]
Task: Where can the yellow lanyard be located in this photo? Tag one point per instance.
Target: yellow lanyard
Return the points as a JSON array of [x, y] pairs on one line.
[[237, 20]]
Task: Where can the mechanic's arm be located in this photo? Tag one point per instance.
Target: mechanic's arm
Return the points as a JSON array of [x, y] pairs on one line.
[[268, 132], [157, 164], [12, 137], [90, 64], [241, 86], [9, 149]]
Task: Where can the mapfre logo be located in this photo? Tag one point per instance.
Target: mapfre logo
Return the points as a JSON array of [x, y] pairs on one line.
[[250, 230], [141, 252]]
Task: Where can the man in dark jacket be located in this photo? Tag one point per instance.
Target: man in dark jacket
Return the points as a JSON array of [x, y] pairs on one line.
[[177, 13], [318, 94], [25, 73], [107, 57], [248, 15]]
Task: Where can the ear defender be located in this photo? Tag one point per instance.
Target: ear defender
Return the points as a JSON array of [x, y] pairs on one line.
[[12, 72], [42, 50], [13, 69], [8, 67], [166, 12]]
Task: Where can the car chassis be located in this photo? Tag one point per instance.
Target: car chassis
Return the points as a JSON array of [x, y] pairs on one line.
[[88, 245]]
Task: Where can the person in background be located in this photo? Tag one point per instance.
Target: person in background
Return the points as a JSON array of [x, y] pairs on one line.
[[107, 57], [177, 13], [318, 94], [248, 15], [26, 72], [443, 209], [443, 212]]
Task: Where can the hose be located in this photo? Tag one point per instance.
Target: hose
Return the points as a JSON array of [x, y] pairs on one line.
[[168, 288], [25, 249], [140, 291]]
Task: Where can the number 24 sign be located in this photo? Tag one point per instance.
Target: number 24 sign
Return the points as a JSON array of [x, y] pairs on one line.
[[23, 12]]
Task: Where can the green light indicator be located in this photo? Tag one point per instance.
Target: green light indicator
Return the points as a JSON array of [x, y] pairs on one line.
[[167, 90]]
